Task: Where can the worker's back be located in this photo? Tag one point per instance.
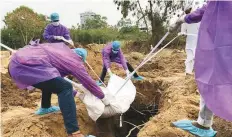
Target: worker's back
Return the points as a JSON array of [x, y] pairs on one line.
[[35, 63]]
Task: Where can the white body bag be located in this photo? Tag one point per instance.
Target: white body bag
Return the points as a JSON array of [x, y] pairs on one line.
[[119, 102]]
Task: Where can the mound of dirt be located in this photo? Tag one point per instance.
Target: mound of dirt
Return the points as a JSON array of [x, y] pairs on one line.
[[5, 55], [179, 100], [27, 124], [12, 96], [18, 119]]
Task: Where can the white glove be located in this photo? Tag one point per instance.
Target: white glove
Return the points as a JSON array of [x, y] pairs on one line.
[[58, 37], [70, 42], [105, 101], [127, 73], [181, 33], [173, 27], [109, 71]]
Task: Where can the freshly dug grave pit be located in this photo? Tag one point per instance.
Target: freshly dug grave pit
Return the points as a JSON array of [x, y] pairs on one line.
[[134, 117], [142, 109], [111, 127]]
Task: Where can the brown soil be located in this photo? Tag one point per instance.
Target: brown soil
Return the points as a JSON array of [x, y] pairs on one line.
[[26, 124], [164, 76], [180, 100], [12, 96]]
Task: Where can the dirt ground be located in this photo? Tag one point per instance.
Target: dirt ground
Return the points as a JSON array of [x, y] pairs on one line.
[[164, 76]]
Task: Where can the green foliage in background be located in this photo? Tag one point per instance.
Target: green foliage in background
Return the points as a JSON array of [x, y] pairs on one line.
[[97, 22], [22, 24], [104, 35]]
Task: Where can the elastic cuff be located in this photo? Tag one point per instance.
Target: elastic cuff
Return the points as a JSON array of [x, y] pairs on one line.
[[203, 122]]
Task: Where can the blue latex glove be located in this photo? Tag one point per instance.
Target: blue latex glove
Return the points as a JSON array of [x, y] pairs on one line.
[[99, 83], [138, 78], [43, 111], [187, 125]]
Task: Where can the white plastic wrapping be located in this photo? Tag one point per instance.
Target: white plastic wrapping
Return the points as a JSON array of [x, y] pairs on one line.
[[119, 103]]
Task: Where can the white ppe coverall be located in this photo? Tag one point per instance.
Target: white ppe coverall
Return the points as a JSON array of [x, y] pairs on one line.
[[191, 30]]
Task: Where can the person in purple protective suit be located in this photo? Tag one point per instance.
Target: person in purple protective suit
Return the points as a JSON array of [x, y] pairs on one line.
[[56, 32], [43, 66], [213, 65], [112, 53]]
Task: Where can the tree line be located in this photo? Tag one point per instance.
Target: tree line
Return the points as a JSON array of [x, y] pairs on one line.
[[23, 24]]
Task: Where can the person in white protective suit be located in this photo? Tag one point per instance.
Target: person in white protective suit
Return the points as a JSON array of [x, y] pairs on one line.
[[191, 31]]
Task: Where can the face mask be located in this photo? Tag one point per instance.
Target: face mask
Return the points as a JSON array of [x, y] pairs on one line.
[[115, 51], [56, 23]]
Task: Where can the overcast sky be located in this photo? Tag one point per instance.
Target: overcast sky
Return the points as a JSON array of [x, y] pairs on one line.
[[69, 10]]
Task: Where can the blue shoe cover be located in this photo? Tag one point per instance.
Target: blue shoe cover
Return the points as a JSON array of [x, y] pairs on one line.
[[138, 78], [99, 83], [43, 111], [187, 125]]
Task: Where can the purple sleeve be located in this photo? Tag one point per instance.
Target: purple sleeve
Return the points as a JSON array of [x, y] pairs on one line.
[[66, 34], [47, 35], [77, 69], [106, 58], [195, 16], [123, 60]]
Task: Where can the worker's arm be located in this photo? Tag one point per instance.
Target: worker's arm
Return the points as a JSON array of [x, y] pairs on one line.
[[66, 33], [75, 66], [123, 60], [106, 59], [68, 38], [196, 16], [47, 36]]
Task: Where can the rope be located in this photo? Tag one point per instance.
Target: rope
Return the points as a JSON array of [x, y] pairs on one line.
[[144, 62], [95, 74], [10, 49], [153, 49]]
